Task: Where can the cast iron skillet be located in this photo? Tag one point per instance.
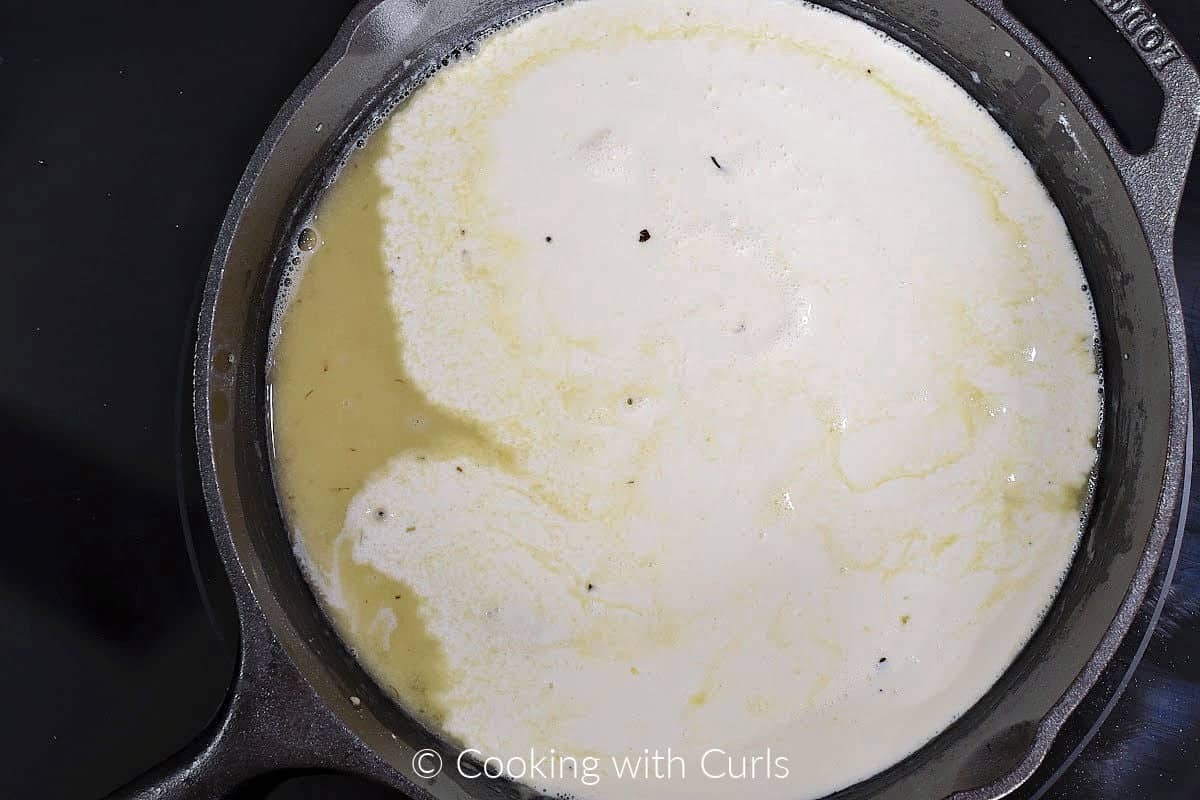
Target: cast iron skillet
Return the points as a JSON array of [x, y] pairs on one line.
[[301, 701]]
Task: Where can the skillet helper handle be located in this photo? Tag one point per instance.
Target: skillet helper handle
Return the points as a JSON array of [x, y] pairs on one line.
[[1156, 177]]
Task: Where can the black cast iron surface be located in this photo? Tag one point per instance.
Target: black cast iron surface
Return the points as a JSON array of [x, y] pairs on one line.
[[122, 135]]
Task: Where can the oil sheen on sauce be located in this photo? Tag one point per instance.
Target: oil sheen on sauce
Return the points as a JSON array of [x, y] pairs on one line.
[[670, 377]]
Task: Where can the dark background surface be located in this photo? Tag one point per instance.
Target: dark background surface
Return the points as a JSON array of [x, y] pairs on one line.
[[123, 131]]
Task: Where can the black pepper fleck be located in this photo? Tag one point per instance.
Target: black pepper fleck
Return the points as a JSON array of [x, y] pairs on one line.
[[643, 235], [716, 163], [459, 469], [591, 586], [882, 659], [549, 239]]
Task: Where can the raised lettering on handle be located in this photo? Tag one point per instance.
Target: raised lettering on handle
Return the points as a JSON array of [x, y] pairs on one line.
[[1141, 28]]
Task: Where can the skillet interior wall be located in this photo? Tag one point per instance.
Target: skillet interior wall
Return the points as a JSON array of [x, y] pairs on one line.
[[995, 734]]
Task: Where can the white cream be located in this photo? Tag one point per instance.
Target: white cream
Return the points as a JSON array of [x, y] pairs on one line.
[[836, 409]]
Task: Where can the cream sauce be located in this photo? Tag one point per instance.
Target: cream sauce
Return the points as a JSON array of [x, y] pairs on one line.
[[689, 376]]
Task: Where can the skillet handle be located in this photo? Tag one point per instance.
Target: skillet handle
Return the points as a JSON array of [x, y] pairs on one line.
[[1156, 178], [205, 770], [271, 721]]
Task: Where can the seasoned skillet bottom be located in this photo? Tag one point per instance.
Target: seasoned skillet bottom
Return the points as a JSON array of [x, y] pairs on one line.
[[671, 377]]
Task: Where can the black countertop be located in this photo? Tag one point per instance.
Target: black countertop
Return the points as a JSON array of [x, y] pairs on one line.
[[123, 130]]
